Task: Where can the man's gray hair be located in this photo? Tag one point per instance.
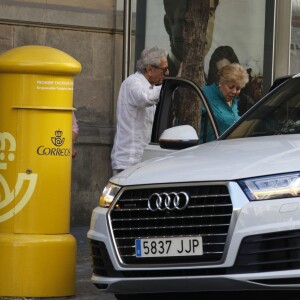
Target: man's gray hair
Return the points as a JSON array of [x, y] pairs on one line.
[[150, 56]]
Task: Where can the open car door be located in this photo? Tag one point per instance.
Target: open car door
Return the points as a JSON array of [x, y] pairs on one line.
[[169, 132]]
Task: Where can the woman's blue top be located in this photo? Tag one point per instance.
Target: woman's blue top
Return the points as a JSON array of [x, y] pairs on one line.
[[224, 114]]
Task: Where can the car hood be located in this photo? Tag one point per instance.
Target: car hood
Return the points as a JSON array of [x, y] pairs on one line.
[[219, 160]]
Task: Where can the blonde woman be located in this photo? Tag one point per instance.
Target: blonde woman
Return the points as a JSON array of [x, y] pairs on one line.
[[223, 96]]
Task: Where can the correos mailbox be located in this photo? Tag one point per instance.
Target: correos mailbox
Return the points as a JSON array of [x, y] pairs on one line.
[[37, 251]]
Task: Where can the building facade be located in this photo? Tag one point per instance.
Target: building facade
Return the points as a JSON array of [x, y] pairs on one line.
[[106, 36]]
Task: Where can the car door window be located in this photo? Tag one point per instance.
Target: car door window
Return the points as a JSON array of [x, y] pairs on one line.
[[183, 103]]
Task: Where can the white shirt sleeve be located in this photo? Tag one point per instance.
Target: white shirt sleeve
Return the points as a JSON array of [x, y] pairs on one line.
[[75, 127]]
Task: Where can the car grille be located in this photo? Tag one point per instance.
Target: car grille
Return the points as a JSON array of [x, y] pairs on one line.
[[274, 251], [268, 252], [208, 215]]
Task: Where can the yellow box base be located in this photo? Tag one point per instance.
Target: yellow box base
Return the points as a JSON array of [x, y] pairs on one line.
[[37, 265]]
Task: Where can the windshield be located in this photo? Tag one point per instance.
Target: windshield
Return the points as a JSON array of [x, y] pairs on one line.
[[278, 113]]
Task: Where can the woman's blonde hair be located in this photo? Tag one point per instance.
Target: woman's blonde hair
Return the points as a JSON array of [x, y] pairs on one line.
[[234, 73]]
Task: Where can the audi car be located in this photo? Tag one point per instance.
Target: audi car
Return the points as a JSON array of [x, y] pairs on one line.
[[201, 216]]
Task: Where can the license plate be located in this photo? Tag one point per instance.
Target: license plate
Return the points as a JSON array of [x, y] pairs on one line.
[[181, 246]]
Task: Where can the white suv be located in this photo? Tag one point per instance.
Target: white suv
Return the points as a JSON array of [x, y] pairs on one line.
[[223, 215]]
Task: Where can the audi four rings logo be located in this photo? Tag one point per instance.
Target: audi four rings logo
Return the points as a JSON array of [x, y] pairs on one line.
[[168, 201]]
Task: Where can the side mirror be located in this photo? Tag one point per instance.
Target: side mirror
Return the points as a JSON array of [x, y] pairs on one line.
[[179, 137]]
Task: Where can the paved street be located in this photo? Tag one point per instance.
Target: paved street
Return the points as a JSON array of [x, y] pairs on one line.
[[84, 288]]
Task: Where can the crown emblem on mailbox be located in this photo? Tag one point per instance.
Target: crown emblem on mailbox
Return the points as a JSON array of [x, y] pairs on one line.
[[58, 133], [57, 140]]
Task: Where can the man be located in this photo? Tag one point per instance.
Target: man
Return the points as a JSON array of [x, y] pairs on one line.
[[138, 96], [173, 20]]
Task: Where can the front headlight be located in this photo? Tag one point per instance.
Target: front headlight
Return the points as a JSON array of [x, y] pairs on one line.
[[108, 195], [272, 187]]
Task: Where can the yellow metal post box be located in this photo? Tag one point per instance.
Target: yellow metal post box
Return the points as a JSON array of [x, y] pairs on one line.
[[37, 251]]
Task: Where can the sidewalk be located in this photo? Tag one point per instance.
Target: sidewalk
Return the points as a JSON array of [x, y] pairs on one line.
[[84, 287]]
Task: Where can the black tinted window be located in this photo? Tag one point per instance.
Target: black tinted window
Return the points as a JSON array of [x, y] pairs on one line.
[[277, 113]]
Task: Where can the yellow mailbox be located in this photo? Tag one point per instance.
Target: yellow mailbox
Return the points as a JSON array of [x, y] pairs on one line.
[[37, 251]]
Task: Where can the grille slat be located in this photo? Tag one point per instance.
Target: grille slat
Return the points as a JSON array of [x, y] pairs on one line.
[[161, 236], [210, 196], [169, 227], [121, 210], [171, 217], [208, 214]]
